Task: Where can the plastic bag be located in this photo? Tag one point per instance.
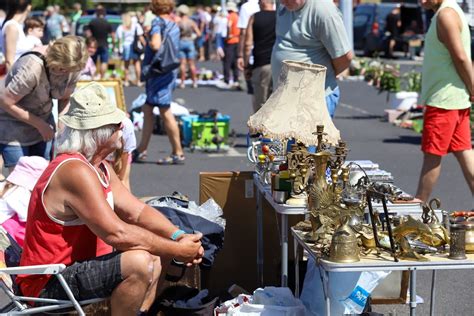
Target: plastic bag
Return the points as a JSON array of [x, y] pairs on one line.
[[368, 280], [270, 301]]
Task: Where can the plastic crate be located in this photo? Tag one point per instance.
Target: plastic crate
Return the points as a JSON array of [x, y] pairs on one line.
[[202, 135], [187, 127]]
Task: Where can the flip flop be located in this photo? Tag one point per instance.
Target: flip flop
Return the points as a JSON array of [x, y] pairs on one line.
[[172, 160], [138, 157]]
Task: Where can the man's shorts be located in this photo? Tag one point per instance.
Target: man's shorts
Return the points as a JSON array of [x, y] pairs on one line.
[[102, 53], [445, 131], [95, 278]]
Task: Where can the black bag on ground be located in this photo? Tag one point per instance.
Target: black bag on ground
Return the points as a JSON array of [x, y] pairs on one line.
[[166, 58]]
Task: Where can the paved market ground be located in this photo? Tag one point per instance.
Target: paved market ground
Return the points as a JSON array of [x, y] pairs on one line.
[[359, 118]]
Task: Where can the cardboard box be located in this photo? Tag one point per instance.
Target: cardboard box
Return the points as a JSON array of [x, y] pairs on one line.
[[237, 261]]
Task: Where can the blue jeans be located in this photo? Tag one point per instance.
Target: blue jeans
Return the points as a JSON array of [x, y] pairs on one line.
[[11, 154], [332, 101]]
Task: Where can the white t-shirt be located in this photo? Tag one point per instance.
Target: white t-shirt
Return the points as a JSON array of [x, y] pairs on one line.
[[246, 11], [21, 45], [32, 42], [127, 36], [129, 139], [220, 25]]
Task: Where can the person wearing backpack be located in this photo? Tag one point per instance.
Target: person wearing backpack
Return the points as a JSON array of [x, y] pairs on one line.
[[160, 84]]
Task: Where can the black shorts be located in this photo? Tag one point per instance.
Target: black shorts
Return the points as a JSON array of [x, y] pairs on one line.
[[95, 278]]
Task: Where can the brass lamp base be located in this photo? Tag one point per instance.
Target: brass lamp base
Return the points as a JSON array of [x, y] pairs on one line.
[[298, 200]]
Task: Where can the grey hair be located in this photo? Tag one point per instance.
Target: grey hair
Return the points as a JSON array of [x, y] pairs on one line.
[[86, 142]]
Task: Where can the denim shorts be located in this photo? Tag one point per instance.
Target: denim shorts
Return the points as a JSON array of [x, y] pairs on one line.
[[187, 49], [102, 53], [129, 54], [11, 154], [94, 278]]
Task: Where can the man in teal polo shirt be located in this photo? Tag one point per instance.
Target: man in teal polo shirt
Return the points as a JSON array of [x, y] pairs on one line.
[[313, 32]]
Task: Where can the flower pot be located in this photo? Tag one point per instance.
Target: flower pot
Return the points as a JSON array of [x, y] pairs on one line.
[[403, 100]]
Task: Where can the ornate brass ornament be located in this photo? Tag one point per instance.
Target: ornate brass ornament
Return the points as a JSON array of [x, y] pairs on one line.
[[344, 244]]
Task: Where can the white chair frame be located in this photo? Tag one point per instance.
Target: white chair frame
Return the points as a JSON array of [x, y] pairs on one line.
[[20, 302]]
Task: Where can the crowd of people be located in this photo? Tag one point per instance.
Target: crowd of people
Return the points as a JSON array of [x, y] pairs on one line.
[[90, 144]]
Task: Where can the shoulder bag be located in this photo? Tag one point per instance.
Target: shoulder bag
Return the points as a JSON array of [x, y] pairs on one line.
[[166, 58]]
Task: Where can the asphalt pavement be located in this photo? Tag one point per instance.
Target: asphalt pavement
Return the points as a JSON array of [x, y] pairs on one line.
[[360, 118]]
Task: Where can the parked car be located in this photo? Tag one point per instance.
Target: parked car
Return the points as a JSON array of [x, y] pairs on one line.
[[369, 17]]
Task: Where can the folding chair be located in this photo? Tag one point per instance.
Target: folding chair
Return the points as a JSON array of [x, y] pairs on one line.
[[19, 305]]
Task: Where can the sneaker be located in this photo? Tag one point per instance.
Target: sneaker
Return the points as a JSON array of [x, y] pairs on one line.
[[195, 85], [172, 160]]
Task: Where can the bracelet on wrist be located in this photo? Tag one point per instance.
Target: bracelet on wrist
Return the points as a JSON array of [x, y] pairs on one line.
[[176, 234]]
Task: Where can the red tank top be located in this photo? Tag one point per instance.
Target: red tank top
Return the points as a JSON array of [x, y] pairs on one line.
[[49, 240]]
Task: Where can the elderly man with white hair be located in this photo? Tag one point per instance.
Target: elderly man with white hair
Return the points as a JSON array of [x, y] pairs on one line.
[[79, 212]]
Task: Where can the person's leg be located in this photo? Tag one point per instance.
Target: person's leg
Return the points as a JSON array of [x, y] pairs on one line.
[[148, 121], [332, 100], [11, 155], [430, 172], [235, 69], [126, 80], [42, 149], [227, 62], [140, 272], [172, 130], [257, 99], [182, 71], [466, 161], [138, 71], [104, 61], [192, 69]]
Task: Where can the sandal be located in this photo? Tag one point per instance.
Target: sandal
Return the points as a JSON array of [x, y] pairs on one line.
[[172, 160], [138, 157]]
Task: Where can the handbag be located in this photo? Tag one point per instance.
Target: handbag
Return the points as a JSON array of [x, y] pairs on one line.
[[166, 58], [137, 46]]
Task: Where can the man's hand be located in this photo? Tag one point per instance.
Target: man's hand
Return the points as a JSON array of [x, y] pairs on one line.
[[191, 250], [46, 131]]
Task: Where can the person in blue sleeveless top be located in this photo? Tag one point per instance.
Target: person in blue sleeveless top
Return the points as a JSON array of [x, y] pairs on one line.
[[159, 88]]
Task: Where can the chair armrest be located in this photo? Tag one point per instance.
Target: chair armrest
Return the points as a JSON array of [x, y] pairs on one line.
[[39, 269]]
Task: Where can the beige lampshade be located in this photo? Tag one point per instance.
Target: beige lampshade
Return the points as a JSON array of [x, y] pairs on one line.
[[296, 107]]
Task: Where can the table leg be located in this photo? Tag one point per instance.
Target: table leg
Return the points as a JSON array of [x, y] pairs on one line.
[[413, 292], [326, 292], [259, 239], [433, 293], [297, 268], [284, 250]]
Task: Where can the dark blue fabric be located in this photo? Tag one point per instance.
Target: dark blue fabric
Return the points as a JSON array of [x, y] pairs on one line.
[[213, 234]]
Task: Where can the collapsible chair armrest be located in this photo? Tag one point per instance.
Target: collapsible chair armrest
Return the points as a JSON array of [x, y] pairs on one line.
[[39, 269]]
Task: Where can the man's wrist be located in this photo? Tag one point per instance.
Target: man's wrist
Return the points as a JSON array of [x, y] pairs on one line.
[[176, 234]]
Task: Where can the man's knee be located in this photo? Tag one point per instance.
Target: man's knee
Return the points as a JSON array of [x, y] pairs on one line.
[[140, 264]]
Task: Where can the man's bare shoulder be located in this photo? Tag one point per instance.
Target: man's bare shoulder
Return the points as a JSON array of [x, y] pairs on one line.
[[449, 16], [75, 173]]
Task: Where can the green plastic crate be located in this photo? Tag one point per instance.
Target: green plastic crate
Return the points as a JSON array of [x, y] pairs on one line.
[[202, 135]]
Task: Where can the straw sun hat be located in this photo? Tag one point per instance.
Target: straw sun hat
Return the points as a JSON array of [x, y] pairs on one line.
[[91, 108], [232, 6], [183, 9]]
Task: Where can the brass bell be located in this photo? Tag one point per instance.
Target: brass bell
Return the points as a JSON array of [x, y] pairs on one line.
[[344, 247]]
